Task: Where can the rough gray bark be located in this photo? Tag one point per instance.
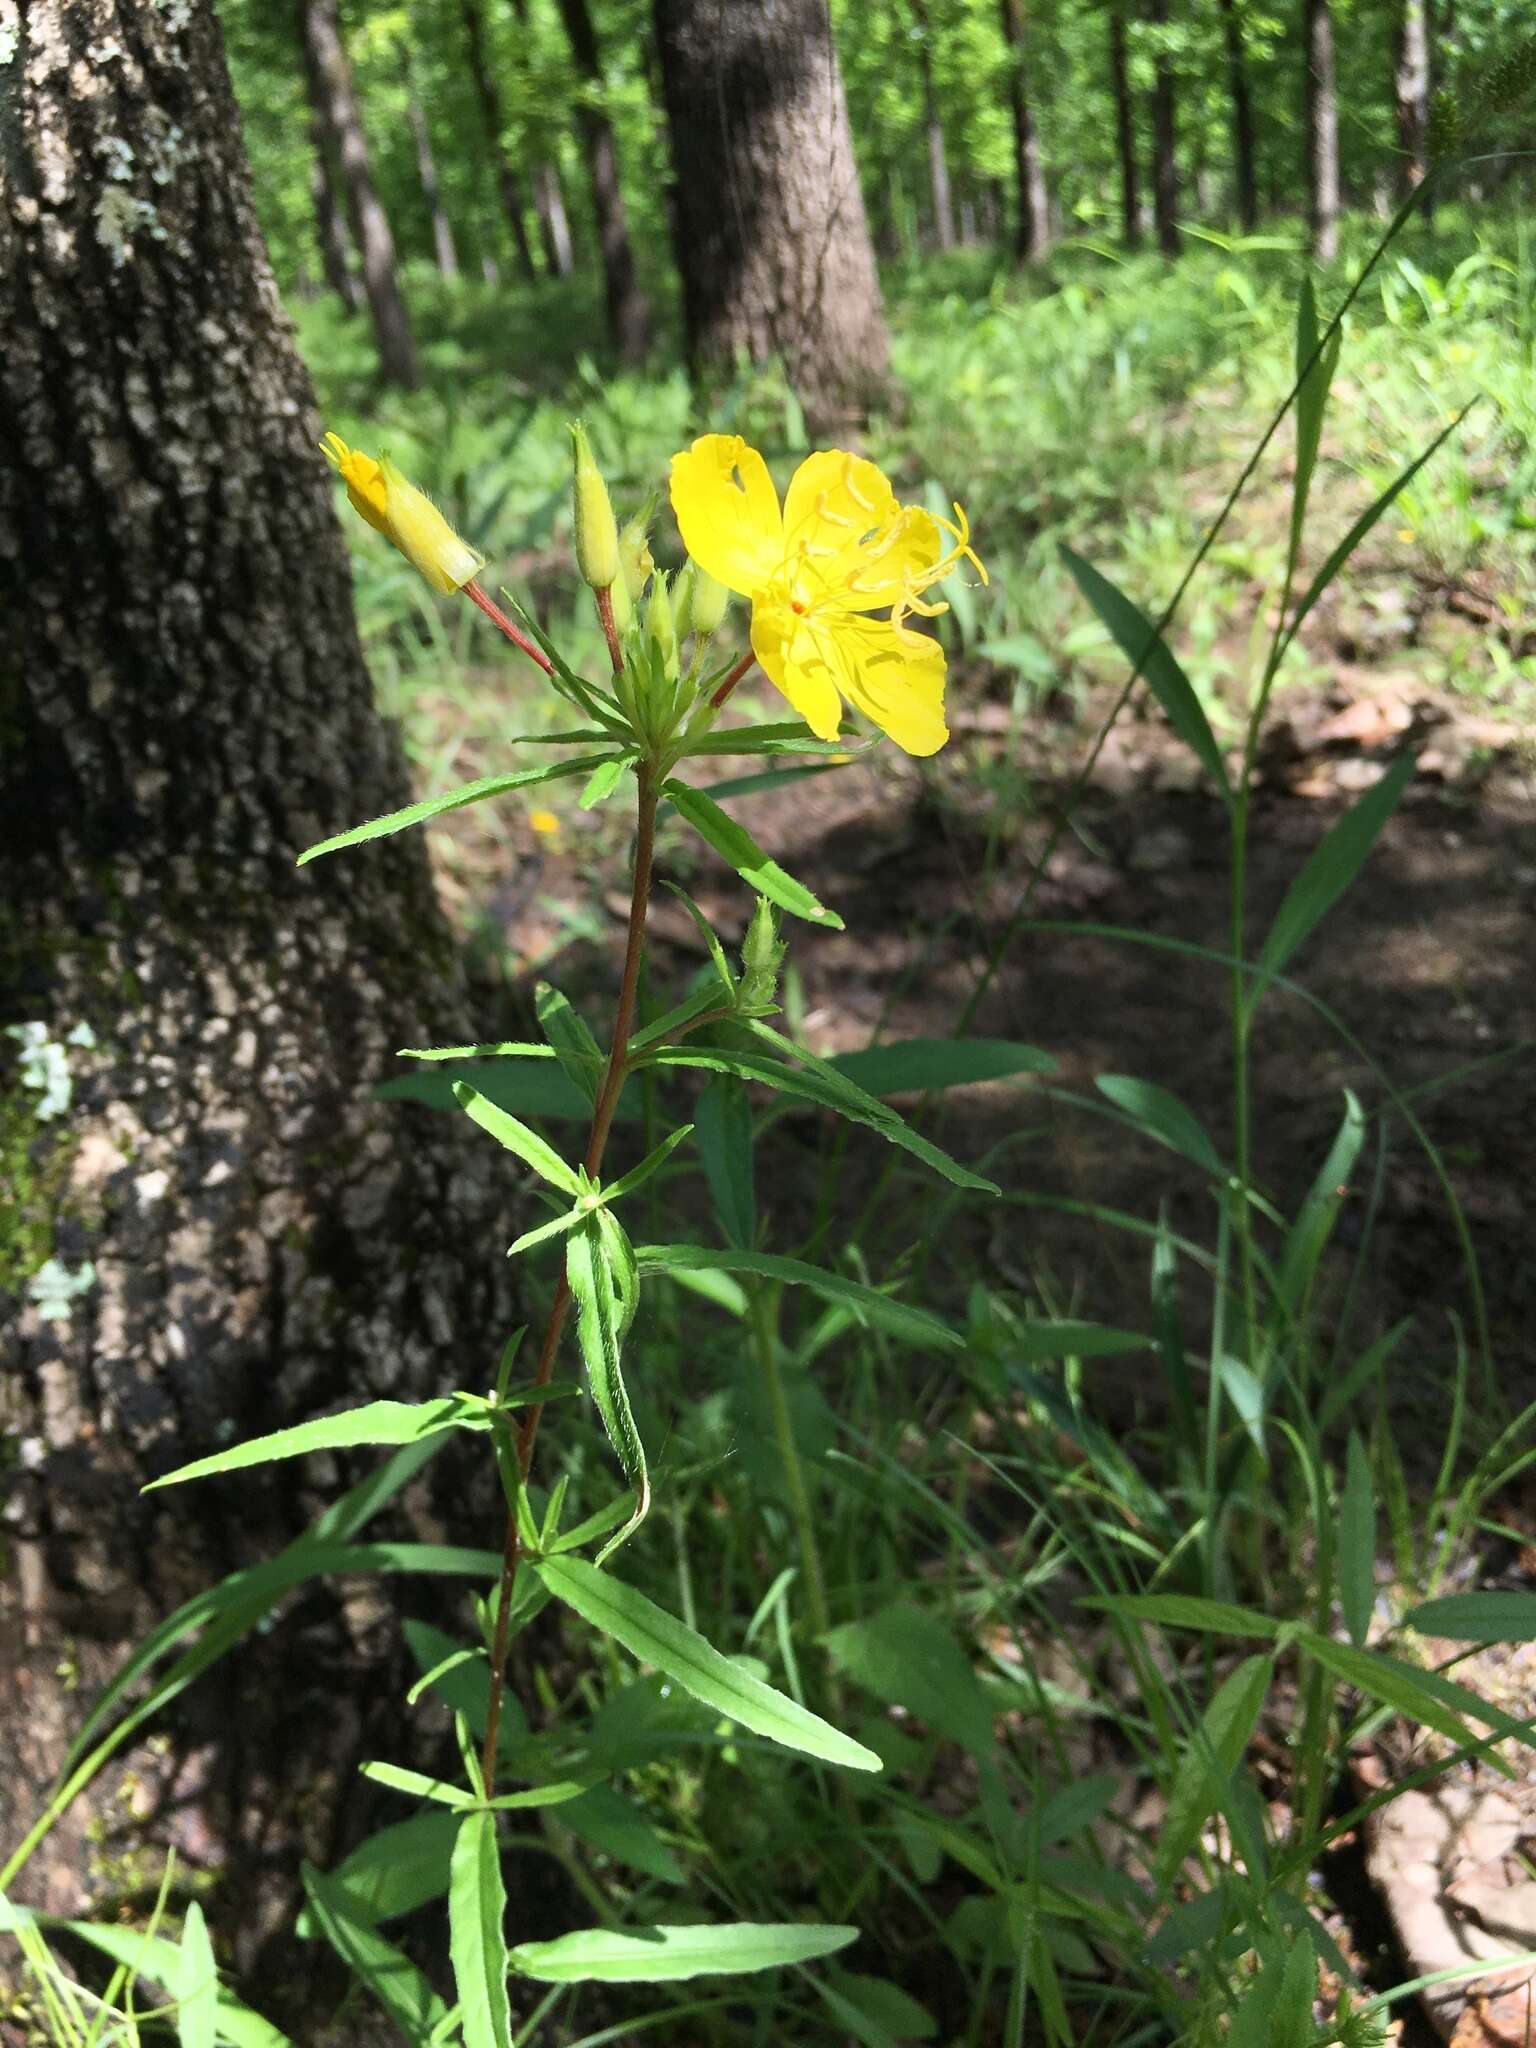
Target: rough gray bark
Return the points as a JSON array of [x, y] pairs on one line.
[[1033, 233], [426, 169], [1245, 181], [1321, 121], [330, 227], [772, 242], [185, 708], [1165, 159], [1412, 84], [331, 77], [508, 184], [938, 157], [1125, 130], [629, 316]]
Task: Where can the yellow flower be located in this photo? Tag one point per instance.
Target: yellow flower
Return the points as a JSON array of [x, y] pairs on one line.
[[840, 549], [545, 822], [407, 517]]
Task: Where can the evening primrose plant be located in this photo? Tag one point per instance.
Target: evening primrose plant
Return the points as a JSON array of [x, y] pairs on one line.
[[834, 577]]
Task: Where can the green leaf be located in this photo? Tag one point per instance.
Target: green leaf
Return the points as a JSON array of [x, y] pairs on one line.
[[788, 736], [533, 1150], [1424, 1696], [392, 1977], [735, 844], [890, 2010], [602, 782], [637, 1176], [597, 1289], [1201, 1782], [918, 1065], [543, 1091], [477, 1942], [657, 1638], [416, 1785], [908, 1659], [150, 1955], [606, 1820], [453, 800], [1146, 650], [723, 1125], [1314, 371], [882, 1311], [1052, 1338], [1357, 1543], [580, 1055], [1162, 1116], [1477, 1617], [657, 1955], [1185, 1610], [399, 1868], [197, 2005], [377, 1422], [770, 778], [1331, 869], [1314, 1223]]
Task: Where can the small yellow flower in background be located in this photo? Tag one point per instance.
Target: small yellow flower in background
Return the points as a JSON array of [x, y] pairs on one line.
[[1406, 533], [840, 548], [394, 507], [545, 822]]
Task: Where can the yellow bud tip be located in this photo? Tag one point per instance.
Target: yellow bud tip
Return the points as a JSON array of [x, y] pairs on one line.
[[393, 506], [597, 532]]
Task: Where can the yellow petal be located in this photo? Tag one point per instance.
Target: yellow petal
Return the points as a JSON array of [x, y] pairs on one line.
[[363, 478], [423, 535], [728, 512], [794, 661], [852, 544], [891, 674], [834, 498]]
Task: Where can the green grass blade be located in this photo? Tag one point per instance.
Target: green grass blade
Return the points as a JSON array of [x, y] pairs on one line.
[[390, 1976], [1477, 1617], [657, 1955], [197, 2007], [1330, 869], [883, 1311], [1357, 1543]]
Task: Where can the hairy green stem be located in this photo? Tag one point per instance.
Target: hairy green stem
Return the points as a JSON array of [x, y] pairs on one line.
[[765, 1322], [597, 1143]]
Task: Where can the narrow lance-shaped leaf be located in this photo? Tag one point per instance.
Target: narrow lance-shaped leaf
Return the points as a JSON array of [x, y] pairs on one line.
[[723, 1123], [577, 1050], [1162, 1116], [1315, 1220], [477, 1941], [649, 1633], [734, 843], [515, 1135], [197, 2009], [1147, 651], [883, 1311], [1314, 370], [452, 800], [1357, 1542], [390, 1975], [596, 1289], [657, 1955], [1331, 869], [377, 1422]]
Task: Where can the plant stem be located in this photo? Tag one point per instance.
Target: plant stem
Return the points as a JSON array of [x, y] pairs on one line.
[[732, 679], [503, 624], [559, 1308], [765, 1329], [610, 629]]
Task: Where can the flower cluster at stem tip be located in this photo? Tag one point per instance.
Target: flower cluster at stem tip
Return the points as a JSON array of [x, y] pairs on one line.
[[832, 574]]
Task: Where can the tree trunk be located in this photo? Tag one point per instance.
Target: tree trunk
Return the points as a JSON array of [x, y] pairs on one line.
[[1165, 159], [508, 183], [1125, 130], [251, 1236], [629, 317], [772, 245], [1245, 180], [1034, 228], [1412, 81], [332, 87], [1322, 130], [426, 166], [330, 227], [554, 224], [938, 158]]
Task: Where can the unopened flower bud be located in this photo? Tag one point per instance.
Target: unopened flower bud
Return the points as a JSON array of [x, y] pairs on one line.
[[660, 626], [708, 602], [597, 533], [762, 954], [393, 506], [635, 560]]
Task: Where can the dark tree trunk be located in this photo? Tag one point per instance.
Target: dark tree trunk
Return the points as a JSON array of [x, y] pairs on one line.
[[629, 317], [1125, 130], [1165, 155], [1034, 211], [772, 242], [1245, 180], [330, 226], [332, 88], [253, 1236], [1321, 122], [508, 184], [938, 157], [1412, 82], [426, 167]]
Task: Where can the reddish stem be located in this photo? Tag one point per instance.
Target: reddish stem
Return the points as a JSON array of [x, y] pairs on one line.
[[503, 624], [559, 1308], [733, 679], [610, 630]]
